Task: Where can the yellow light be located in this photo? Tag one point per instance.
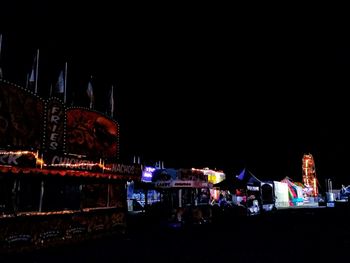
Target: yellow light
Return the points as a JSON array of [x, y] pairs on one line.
[[18, 152]]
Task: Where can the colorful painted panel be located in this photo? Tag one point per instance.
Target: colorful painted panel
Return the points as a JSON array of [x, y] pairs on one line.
[[91, 134], [21, 118]]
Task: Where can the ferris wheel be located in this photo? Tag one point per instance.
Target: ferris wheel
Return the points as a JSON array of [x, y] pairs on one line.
[[309, 174]]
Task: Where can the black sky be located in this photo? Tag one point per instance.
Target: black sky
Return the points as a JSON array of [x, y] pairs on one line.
[[197, 85]]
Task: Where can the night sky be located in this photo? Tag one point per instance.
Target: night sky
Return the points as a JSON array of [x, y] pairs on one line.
[[196, 86]]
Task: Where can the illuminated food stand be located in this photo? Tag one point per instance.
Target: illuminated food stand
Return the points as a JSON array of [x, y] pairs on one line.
[[60, 177], [214, 178], [245, 189], [185, 194], [142, 193]]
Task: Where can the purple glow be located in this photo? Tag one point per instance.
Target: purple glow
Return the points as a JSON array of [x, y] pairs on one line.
[[147, 174]]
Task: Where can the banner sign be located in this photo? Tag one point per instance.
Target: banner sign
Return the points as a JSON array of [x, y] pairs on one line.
[[92, 134], [182, 184], [75, 163], [21, 118], [147, 174], [253, 188], [72, 163], [67, 162], [18, 158], [123, 169], [162, 184], [55, 126], [192, 175]]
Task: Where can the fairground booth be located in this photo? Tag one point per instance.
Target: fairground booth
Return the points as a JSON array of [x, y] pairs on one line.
[[60, 178], [249, 191], [141, 194], [244, 190], [184, 194]]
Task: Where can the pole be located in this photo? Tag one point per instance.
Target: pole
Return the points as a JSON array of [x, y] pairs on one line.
[[108, 190], [65, 84], [81, 196], [112, 102], [42, 161], [180, 197], [146, 199], [0, 44], [41, 196], [37, 72], [1, 76], [14, 196], [27, 81]]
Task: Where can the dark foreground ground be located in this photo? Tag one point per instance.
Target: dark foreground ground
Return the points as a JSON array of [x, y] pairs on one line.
[[293, 235]]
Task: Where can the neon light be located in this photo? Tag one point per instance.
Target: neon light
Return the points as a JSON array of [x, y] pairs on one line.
[[147, 173], [73, 163], [18, 153], [309, 173], [214, 177]]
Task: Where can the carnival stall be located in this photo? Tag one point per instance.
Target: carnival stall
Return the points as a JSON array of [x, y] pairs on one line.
[[184, 194], [60, 175], [251, 194], [214, 177], [142, 193], [244, 190], [224, 192]]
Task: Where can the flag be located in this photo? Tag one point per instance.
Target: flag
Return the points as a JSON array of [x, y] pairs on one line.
[[32, 73], [27, 81], [33, 77], [90, 93], [59, 88], [61, 85], [111, 102]]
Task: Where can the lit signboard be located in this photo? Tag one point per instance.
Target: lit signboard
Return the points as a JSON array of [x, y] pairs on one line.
[[147, 174]]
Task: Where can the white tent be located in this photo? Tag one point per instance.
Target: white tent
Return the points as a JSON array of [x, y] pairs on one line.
[[281, 194]]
